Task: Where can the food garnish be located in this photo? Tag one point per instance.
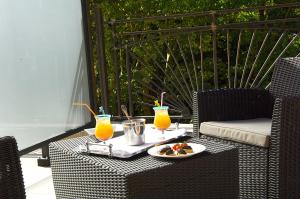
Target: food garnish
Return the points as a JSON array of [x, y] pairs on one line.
[[188, 149], [177, 149], [170, 152], [164, 150], [181, 151]]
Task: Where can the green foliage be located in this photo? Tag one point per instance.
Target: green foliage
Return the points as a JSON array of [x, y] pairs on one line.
[[151, 73]]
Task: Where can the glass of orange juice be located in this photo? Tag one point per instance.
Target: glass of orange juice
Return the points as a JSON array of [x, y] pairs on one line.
[[104, 130], [162, 119]]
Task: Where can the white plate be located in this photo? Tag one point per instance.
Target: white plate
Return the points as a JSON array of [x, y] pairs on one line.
[[197, 148]]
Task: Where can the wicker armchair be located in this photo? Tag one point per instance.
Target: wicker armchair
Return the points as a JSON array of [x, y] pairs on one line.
[[11, 178], [272, 172]]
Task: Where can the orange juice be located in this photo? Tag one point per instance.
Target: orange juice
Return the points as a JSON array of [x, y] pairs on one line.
[[162, 119], [104, 129]]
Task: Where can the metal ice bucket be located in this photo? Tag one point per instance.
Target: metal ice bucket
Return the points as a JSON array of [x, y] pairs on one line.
[[134, 131]]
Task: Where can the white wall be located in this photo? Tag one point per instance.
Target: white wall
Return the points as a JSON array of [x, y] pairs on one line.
[[42, 69]]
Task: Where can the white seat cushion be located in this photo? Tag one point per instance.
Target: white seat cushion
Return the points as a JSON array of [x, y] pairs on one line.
[[254, 132]]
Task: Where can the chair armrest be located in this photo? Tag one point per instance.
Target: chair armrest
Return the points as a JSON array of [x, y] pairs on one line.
[[231, 104], [11, 178], [284, 158]]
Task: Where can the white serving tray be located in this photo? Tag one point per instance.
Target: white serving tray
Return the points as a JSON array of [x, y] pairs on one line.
[[117, 146]]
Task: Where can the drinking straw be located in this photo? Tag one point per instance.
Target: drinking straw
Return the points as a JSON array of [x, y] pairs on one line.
[[85, 105], [162, 98]]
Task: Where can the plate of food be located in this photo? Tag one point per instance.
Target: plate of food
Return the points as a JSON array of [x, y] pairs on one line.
[[176, 150]]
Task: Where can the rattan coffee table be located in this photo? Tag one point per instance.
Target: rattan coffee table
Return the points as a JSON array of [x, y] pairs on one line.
[[211, 174]]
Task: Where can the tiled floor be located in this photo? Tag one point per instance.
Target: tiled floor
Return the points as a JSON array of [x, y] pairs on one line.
[[42, 190], [38, 180]]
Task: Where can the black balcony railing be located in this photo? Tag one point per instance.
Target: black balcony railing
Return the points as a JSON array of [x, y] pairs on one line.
[[182, 53]]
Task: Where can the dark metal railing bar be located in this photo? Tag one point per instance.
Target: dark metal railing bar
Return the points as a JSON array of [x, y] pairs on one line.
[[259, 24], [129, 89], [237, 59], [175, 34], [167, 75], [152, 73], [186, 64], [247, 57], [257, 56], [228, 59], [205, 13], [90, 58], [158, 18], [267, 59], [122, 44], [178, 66], [170, 31], [243, 25], [274, 29], [279, 56], [102, 58], [185, 95], [116, 65], [194, 63], [214, 38], [201, 62]]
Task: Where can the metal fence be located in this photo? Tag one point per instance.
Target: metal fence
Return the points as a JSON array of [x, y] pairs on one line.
[[178, 54]]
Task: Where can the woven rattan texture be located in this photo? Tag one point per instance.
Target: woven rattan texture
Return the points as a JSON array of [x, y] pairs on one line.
[[284, 163], [289, 176], [253, 165], [234, 104], [11, 178], [284, 159], [196, 123], [286, 78], [273, 179], [212, 174]]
